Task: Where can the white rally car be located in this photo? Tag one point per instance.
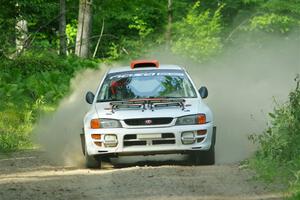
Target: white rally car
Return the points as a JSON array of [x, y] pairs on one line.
[[147, 109]]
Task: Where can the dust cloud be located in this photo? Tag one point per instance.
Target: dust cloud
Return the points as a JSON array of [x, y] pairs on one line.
[[58, 133], [242, 84]]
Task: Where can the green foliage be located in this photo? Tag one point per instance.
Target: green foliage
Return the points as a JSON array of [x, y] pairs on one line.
[[71, 30], [141, 26], [198, 35], [7, 23], [15, 127], [272, 23], [274, 16], [113, 52], [278, 6], [279, 154], [279, 141], [35, 74], [41, 16], [137, 25], [30, 84], [129, 26]]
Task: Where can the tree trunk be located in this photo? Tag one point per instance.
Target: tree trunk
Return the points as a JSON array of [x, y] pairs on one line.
[[62, 29], [169, 26], [84, 28], [21, 35]]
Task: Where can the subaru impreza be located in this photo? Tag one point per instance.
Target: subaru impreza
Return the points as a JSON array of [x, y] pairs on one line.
[[147, 109]]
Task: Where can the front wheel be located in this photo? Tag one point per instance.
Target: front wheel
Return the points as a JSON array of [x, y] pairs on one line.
[[91, 161], [203, 157]]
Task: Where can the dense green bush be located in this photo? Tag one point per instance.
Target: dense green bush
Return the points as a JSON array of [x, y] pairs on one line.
[[198, 35], [281, 141], [272, 23], [30, 84], [15, 128], [278, 157]]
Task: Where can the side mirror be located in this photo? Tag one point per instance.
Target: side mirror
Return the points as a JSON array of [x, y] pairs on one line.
[[203, 92], [89, 97]]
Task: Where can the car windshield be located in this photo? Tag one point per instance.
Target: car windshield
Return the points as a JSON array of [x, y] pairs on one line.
[[146, 84]]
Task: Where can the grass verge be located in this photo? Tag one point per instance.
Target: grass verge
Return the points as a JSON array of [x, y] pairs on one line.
[[278, 157]]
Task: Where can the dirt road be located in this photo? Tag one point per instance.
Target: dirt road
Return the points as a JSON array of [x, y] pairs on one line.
[[29, 175]]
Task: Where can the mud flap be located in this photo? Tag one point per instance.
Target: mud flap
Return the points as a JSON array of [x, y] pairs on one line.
[[214, 136], [82, 143]]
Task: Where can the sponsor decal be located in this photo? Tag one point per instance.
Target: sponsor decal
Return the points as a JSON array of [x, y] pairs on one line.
[[145, 74]]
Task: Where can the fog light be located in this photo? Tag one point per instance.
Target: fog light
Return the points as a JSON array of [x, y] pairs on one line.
[[200, 140], [98, 144], [110, 140], [201, 132], [188, 137]]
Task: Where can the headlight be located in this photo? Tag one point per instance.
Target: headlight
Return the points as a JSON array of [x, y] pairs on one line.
[[191, 119], [105, 123]]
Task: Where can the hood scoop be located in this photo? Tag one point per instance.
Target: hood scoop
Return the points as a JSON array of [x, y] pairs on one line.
[[147, 104]]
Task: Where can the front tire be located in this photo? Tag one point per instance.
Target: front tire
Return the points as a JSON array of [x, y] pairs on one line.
[[201, 157], [91, 161], [208, 157]]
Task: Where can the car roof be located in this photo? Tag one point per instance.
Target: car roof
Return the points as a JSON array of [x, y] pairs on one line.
[[127, 68]]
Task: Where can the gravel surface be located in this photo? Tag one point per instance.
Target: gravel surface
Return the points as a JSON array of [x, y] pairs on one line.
[[30, 175]]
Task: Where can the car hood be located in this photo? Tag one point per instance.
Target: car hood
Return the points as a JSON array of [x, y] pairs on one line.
[[193, 106]]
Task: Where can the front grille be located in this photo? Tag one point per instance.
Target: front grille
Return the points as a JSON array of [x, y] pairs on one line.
[[134, 143], [148, 121], [131, 140], [154, 142]]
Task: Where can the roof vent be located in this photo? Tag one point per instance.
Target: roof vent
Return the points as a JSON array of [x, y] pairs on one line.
[[144, 63]]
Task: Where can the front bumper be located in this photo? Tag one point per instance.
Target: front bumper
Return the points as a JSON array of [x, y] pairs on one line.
[[202, 142]]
